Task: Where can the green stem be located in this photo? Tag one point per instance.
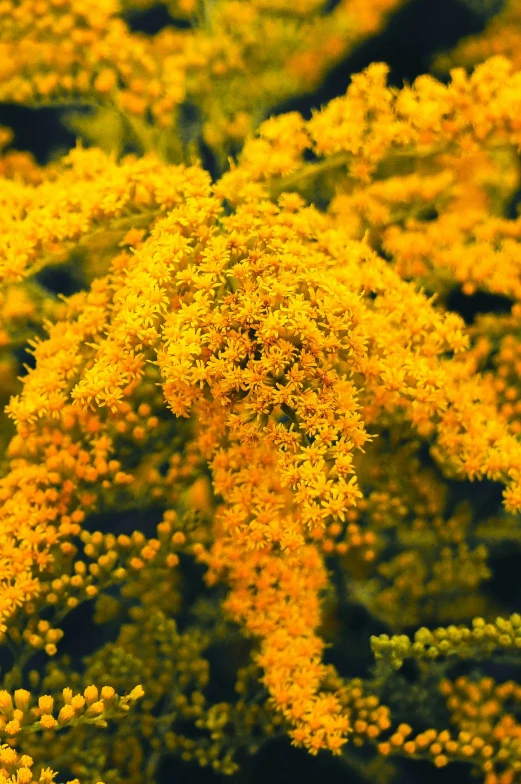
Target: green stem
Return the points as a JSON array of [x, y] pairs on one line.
[[112, 231], [308, 171]]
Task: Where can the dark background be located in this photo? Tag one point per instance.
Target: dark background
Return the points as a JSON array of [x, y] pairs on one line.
[[409, 42]]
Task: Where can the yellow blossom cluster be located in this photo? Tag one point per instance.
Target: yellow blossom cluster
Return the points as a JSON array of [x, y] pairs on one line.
[[256, 408], [424, 173], [488, 734], [16, 714], [61, 50], [234, 61], [281, 344], [373, 121], [16, 769], [92, 194]]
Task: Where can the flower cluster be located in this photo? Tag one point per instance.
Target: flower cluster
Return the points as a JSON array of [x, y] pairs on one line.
[[233, 61], [255, 408]]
